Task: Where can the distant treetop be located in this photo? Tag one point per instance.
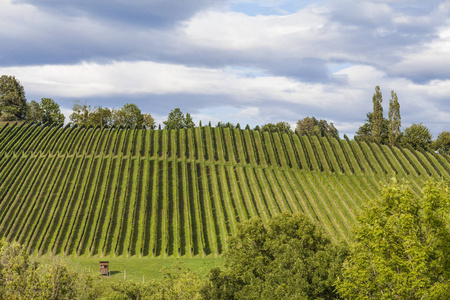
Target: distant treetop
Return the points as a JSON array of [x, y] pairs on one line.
[[311, 125], [177, 120], [13, 104]]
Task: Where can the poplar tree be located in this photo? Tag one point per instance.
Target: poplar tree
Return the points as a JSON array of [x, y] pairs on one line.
[[377, 114], [394, 119]]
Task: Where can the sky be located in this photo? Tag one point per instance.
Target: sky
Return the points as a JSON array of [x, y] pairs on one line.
[[239, 61]]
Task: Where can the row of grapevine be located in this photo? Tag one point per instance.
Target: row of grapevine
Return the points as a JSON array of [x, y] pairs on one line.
[[182, 192], [101, 206], [243, 147]]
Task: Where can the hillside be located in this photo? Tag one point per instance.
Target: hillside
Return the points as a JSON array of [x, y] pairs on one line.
[[102, 192]]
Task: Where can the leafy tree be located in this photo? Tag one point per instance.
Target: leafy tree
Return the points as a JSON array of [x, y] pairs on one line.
[[149, 122], [84, 114], [365, 131], [188, 123], [13, 104], [226, 125], [100, 116], [282, 126], [22, 279], [51, 113], [176, 119], [310, 125], [401, 248], [394, 119], [417, 135], [442, 143], [81, 113], [128, 115], [377, 128], [289, 258], [34, 112]]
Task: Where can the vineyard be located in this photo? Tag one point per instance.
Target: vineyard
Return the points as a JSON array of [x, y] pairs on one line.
[[133, 192]]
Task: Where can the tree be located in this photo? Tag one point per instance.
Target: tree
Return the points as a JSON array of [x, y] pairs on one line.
[[377, 128], [13, 104], [51, 113], [281, 126], [84, 114], [100, 116], [34, 112], [149, 122], [310, 125], [366, 130], [81, 113], [289, 258], [225, 125], [128, 115], [442, 143], [188, 123], [417, 136], [401, 248], [177, 120], [22, 279], [394, 119]]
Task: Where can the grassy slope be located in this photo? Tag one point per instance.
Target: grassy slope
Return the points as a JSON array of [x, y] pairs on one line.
[[135, 267], [121, 193]]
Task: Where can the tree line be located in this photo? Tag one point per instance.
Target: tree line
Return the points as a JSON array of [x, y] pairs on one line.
[[388, 130], [14, 107]]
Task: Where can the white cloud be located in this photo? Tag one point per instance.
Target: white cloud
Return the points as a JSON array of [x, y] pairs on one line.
[[240, 32], [254, 100], [431, 60], [144, 77]]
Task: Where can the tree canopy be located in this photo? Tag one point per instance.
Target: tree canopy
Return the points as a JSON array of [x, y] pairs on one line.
[[442, 143], [394, 119], [280, 126], [13, 104], [34, 112], [20, 278], [417, 136], [47, 111], [401, 248], [310, 125], [128, 115], [289, 258], [366, 130], [51, 113], [177, 120], [377, 116]]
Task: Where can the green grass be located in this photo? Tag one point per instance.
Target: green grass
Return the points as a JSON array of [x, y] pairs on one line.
[[135, 267]]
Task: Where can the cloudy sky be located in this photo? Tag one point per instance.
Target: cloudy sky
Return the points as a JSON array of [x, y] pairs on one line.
[[240, 61]]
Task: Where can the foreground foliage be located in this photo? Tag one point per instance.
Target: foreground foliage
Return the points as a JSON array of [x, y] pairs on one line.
[[402, 246], [20, 278], [289, 258]]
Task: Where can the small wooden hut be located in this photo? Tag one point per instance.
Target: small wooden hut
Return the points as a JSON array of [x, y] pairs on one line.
[[104, 268]]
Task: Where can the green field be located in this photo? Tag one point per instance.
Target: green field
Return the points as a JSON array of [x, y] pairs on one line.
[[125, 192], [135, 268]]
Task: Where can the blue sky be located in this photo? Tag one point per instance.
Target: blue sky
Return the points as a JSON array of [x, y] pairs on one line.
[[240, 61]]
